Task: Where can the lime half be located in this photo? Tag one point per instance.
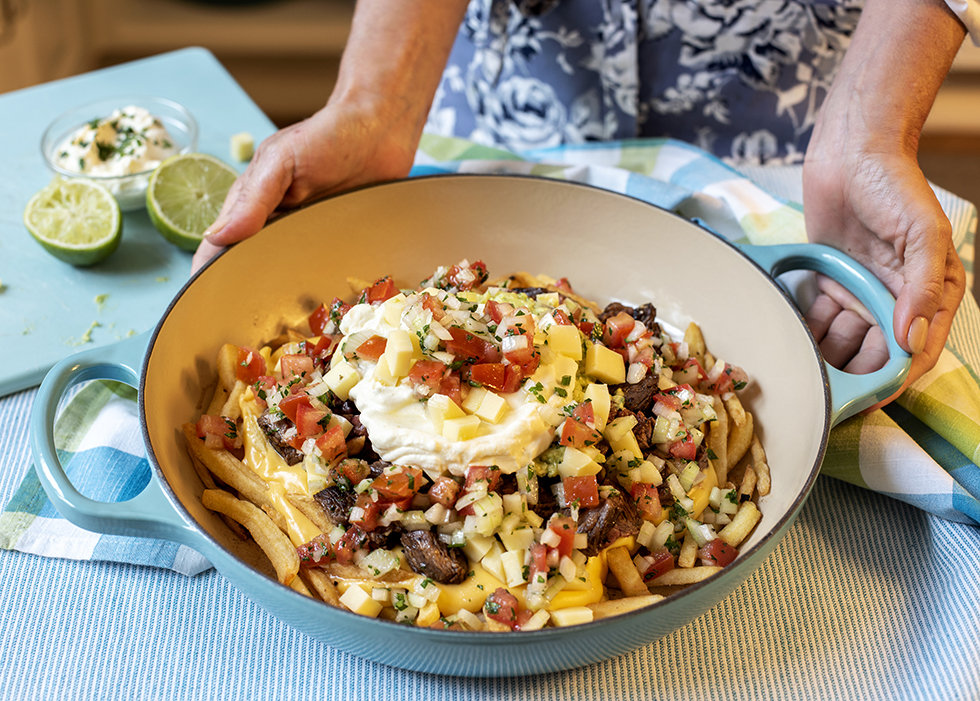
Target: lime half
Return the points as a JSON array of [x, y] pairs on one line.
[[185, 195], [76, 220]]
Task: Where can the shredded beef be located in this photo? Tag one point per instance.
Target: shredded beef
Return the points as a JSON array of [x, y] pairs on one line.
[[336, 504], [429, 556], [615, 518], [639, 397], [274, 430]]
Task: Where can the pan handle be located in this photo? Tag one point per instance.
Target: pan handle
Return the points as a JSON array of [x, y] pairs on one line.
[[148, 514], [849, 393]]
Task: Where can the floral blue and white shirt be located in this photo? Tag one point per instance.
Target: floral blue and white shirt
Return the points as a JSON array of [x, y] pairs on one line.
[[742, 79]]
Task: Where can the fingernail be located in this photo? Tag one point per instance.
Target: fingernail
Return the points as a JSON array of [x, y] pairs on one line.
[[918, 330], [213, 230]]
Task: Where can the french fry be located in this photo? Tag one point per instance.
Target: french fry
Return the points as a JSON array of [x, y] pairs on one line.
[[614, 607], [761, 466], [621, 565], [739, 439], [689, 552], [735, 409], [318, 580], [230, 470], [749, 481], [274, 543], [742, 524], [682, 577], [231, 408], [218, 399], [227, 365], [718, 440], [695, 342], [311, 508]]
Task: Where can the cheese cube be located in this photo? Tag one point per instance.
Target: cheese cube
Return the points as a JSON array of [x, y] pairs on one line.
[[392, 309], [565, 339], [627, 442], [242, 146], [512, 563], [605, 365], [491, 561], [440, 408], [577, 464], [492, 408], [341, 378], [359, 601], [473, 399], [619, 428], [461, 429], [572, 616], [477, 546], [383, 374], [399, 352], [599, 396], [518, 539], [566, 370]]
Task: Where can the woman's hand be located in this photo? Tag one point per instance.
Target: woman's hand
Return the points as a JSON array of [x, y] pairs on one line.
[[879, 209], [368, 131], [336, 149], [864, 194]]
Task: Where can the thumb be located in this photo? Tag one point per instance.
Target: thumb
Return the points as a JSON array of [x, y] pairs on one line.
[[252, 199]]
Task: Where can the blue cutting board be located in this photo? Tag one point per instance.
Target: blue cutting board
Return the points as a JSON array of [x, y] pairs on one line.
[[50, 310]]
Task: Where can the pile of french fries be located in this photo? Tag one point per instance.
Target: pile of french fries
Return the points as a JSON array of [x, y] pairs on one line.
[[239, 495]]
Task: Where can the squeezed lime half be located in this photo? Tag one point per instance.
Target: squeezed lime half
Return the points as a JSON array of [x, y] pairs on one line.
[[76, 220]]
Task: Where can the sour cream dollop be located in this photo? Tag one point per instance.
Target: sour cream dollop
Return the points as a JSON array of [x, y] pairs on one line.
[[130, 140], [403, 432]]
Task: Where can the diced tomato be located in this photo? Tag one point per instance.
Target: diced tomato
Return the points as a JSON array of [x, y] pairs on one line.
[[310, 421], [539, 560], [290, 405], [434, 305], [317, 552], [318, 319], [338, 308], [218, 432], [395, 486], [348, 543], [429, 373], [489, 475], [562, 283], [332, 444], [383, 289], [669, 401], [450, 386], [518, 349], [731, 378], [467, 278], [684, 448], [251, 365], [617, 328], [578, 435], [585, 413], [565, 528], [717, 552], [295, 366], [490, 375], [658, 562], [502, 607], [352, 469], [513, 377], [372, 348], [497, 310], [586, 327], [647, 499], [445, 491], [561, 318], [469, 348], [323, 348], [367, 517], [583, 489]]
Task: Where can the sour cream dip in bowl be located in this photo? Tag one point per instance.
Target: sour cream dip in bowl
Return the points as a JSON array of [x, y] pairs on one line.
[[118, 142]]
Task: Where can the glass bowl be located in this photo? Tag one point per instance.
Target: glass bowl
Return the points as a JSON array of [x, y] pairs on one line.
[[128, 188]]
